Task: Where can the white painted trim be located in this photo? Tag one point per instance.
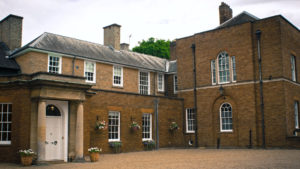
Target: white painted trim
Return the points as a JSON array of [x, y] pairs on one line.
[[239, 83], [175, 91], [118, 85], [149, 83], [63, 107], [60, 62], [211, 69], [119, 128], [6, 142], [94, 76], [232, 75], [186, 121], [163, 82], [146, 139], [220, 116]]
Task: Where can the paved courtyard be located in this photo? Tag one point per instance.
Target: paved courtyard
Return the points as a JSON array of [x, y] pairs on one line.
[[187, 159]]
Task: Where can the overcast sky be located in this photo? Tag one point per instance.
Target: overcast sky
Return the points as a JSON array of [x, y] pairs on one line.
[[162, 19]]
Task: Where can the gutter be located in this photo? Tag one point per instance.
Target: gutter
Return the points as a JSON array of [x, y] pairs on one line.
[[258, 34], [195, 94]]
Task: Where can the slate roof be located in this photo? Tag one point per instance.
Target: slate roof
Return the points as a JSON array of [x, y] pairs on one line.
[[6, 63], [79, 48], [239, 19]]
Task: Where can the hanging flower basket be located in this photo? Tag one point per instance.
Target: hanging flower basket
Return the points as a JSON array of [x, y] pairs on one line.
[[135, 126], [94, 153], [100, 125], [174, 126], [26, 157]]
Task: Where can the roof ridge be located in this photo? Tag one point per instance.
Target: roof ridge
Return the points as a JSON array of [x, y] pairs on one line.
[[244, 12]]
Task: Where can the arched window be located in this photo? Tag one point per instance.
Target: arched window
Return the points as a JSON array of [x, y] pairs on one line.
[[52, 110], [226, 117], [223, 65]]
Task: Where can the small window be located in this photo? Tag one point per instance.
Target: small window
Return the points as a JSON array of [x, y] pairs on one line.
[[54, 64], [144, 84], [293, 68], [90, 71], [233, 68], [213, 72], [175, 83], [226, 117], [118, 76], [5, 123], [147, 127], [224, 74], [52, 110], [161, 82], [113, 126], [190, 120], [296, 109]]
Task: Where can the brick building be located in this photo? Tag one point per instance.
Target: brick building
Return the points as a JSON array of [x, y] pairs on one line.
[[55, 89], [243, 78]]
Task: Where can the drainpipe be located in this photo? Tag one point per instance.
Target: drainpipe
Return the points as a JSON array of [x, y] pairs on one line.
[[73, 65], [258, 33], [195, 95], [156, 102]]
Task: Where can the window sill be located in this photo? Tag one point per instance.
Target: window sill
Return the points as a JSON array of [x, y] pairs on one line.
[[112, 141], [90, 82], [118, 87], [190, 132], [226, 131]]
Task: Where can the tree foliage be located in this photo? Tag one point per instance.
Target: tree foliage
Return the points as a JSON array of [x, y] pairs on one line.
[[154, 47]]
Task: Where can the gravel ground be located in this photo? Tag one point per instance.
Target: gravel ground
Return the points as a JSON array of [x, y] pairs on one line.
[[187, 159]]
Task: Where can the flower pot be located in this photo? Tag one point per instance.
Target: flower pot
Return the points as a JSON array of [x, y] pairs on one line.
[[26, 160], [94, 157]]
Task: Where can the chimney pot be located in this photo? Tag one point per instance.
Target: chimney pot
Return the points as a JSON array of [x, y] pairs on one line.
[[124, 46], [225, 12]]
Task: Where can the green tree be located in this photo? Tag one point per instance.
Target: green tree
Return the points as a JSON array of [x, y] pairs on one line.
[[154, 47]]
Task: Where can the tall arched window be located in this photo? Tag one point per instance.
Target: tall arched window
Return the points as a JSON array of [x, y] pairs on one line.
[[223, 65], [226, 117]]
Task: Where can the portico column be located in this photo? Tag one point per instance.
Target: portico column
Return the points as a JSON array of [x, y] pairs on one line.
[[79, 132], [41, 130]]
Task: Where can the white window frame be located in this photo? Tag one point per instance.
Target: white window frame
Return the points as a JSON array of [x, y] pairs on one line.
[[121, 79], [119, 132], [175, 83], [296, 110], [148, 82], [59, 66], [150, 126], [213, 72], [162, 87], [189, 121], [293, 68], [225, 70], [233, 70], [221, 129], [94, 75], [6, 142]]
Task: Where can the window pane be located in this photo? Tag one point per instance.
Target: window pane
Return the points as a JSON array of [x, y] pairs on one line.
[[226, 117]]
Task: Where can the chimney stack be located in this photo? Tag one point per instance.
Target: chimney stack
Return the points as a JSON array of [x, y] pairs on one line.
[[11, 31], [112, 36], [124, 46], [225, 12]]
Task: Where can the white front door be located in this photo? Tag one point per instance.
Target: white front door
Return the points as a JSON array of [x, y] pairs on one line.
[[56, 130], [54, 138]]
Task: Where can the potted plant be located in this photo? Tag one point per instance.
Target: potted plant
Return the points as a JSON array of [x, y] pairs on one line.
[[100, 125], [116, 145], [94, 153], [134, 126], [26, 157], [174, 126], [149, 144]]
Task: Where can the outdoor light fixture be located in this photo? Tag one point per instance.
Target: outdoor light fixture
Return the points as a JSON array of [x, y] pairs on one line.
[[221, 90], [52, 107]]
